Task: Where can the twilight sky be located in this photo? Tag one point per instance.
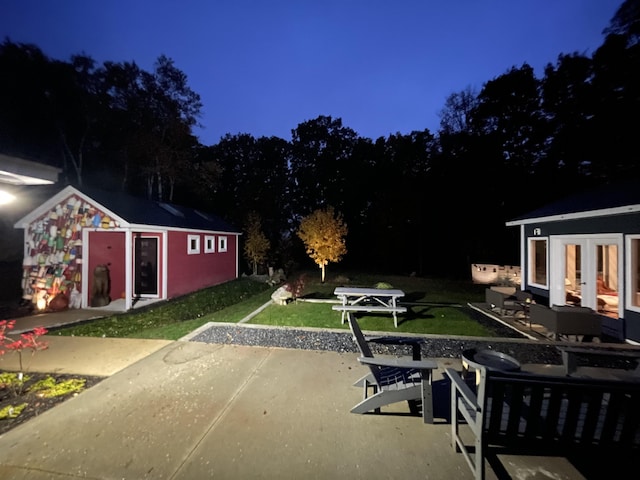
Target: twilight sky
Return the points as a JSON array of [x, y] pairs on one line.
[[264, 66]]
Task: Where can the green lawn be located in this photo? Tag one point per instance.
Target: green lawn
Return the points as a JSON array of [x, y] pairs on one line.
[[435, 306], [433, 319]]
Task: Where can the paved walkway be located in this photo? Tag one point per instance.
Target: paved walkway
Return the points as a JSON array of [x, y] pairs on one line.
[[69, 316], [188, 410]]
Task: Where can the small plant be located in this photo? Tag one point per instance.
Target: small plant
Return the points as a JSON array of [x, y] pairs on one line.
[[12, 411], [296, 287], [383, 285], [9, 380], [13, 383], [49, 387], [27, 341], [4, 326]]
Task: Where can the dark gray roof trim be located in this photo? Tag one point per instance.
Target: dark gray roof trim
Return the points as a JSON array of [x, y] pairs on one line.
[[611, 199]]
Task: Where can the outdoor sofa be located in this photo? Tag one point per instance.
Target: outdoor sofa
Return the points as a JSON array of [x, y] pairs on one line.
[[566, 320]]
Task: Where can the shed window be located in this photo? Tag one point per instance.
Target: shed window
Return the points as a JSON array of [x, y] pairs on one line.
[[209, 244], [193, 244], [538, 253], [222, 244]]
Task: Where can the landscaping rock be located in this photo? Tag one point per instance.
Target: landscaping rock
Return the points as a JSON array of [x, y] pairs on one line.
[[281, 296]]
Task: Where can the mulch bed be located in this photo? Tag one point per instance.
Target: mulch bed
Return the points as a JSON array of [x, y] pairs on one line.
[[36, 405]]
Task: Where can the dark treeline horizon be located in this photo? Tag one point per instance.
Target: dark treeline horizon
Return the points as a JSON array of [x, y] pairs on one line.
[[429, 203]]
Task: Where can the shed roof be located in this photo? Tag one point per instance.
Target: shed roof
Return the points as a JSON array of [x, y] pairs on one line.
[[140, 211], [610, 199]]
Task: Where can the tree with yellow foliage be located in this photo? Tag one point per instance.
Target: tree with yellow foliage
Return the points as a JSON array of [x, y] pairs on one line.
[[256, 245], [323, 233]]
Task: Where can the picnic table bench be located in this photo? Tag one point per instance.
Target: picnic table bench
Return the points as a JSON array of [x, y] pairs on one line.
[[530, 414], [376, 300]]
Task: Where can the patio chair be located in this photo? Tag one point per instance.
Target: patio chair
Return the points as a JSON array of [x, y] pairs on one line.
[[504, 302], [392, 379], [388, 340]]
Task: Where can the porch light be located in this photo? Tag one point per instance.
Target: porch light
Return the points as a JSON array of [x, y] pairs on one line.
[[6, 197]]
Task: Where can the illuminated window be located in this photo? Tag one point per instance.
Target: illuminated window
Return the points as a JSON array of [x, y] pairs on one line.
[[538, 261], [193, 244], [222, 244], [209, 244], [634, 271]]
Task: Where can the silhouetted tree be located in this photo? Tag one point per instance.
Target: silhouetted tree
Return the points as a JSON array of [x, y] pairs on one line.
[[567, 99], [77, 110], [174, 110], [26, 127], [321, 150], [256, 244], [626, 22], [454, 117]]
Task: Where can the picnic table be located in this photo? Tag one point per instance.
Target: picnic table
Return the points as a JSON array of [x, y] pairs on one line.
[[359, 299]]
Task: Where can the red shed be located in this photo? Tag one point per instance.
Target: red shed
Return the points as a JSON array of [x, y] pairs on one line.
[[152, 250]]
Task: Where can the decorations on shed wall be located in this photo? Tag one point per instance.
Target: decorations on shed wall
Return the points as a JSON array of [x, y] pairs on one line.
[[53, 256]]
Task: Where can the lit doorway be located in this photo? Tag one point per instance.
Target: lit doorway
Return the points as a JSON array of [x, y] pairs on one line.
[[588, 273]]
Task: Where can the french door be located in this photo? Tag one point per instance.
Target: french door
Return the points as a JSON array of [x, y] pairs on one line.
[[586, 271]]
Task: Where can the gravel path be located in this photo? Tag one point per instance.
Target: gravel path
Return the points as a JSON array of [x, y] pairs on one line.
[[434, 346]]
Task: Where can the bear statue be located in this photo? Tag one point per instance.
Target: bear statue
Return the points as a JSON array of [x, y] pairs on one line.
[[101, 287]]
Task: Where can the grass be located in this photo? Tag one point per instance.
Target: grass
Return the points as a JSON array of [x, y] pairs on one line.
[[440, 320], [173, 319], [435, 306]]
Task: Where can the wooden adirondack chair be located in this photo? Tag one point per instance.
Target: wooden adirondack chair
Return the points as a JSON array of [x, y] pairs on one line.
[[392, 379]]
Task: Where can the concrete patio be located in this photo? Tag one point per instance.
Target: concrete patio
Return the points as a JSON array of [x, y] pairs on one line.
[[187, 410]]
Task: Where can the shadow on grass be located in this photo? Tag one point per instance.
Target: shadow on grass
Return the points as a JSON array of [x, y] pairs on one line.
[[318, 296], [413, 297]]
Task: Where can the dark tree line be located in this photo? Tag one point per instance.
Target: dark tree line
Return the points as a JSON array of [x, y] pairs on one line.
[[424, 202]]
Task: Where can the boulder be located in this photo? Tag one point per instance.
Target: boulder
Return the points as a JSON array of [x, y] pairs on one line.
[[281, 296]]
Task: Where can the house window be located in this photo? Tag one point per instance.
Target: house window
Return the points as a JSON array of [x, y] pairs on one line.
[[538, 261], [634, 272], [222, 244], [209, 244], [193, 244]]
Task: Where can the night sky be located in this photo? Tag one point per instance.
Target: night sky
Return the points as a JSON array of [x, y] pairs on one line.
[[263, 67]]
